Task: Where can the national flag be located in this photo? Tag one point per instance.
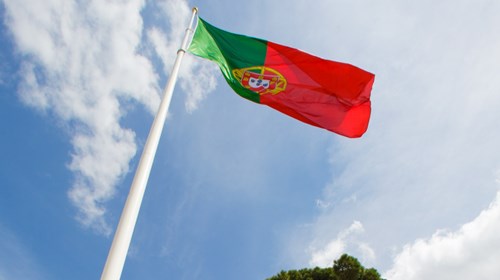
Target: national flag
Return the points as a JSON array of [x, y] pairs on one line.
[[324, 93]]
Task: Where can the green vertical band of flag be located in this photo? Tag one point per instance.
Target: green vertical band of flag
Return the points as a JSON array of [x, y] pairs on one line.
[[230, 51]]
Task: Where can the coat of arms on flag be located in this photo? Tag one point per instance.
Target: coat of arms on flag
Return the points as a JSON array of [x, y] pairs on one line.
[[260, 79]]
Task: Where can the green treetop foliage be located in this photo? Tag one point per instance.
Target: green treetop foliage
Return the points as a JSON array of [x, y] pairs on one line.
[[345, 268]]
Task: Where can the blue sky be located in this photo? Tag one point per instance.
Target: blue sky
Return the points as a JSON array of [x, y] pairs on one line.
[[237, 190]]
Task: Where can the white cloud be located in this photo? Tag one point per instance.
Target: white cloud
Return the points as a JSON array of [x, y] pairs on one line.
[[82, 65], [468, 253], [345, 241]]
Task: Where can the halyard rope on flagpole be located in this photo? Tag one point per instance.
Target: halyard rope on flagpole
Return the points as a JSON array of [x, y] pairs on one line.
[[125, 229]]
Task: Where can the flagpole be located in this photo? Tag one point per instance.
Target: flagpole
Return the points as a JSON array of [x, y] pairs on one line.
[[123, 235]]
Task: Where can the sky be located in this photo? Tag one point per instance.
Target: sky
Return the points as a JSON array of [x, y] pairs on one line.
[[238, 190]]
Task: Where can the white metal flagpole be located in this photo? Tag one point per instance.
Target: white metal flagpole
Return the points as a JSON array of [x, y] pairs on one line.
[[123, 235]]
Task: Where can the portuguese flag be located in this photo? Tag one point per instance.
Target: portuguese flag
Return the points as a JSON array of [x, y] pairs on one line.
[[324, 93]]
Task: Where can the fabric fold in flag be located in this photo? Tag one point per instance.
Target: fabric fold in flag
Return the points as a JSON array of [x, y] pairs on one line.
[[324, 93]]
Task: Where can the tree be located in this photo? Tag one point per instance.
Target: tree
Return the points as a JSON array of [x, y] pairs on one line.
[[371, 274], [348, 268], [345, 268]]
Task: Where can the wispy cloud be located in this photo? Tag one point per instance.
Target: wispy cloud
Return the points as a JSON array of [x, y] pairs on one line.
[[16, 260], [196, 76], [82, 63]]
